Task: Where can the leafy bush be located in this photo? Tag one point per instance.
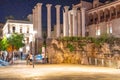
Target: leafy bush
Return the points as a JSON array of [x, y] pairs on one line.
[[71, 47]]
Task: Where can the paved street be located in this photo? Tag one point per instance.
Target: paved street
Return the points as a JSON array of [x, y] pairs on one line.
[[21, 71]]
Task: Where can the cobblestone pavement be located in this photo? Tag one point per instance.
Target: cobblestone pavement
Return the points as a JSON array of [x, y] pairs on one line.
[[21, 71]]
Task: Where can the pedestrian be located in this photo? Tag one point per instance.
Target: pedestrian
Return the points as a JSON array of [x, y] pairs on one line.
[[5, 55], [21, 55], [31, 58]]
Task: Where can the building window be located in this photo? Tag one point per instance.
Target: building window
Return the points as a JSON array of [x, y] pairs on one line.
[[13, 29], [27, 29], [97, 30], [109, 28], [20, 29]]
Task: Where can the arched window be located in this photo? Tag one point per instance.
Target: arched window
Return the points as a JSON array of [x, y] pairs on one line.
[[95, 18], [101, 16], [107, 14], [90, 19], [113, 14]]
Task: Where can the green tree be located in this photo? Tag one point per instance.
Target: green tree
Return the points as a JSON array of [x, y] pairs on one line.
[[4, 44], [16, 41]]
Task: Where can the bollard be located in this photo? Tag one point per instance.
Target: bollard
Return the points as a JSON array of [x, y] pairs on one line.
[[102, 62], [95, 61], [90, 61], [109, 63]]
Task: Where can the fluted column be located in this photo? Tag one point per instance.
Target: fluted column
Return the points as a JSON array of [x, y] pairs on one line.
[[79, 24], [65, 21], [33, 10], [35, 19], [58, 20], [70, 25], [48, 20], [83, 21], [74, 22], [39, 18]]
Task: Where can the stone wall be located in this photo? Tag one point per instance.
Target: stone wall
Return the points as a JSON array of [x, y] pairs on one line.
[[58, 52]]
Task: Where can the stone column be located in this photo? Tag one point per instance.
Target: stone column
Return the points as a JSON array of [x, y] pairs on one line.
[[39, 16], [58, 20], [48, 20], [35, 19], [75, 22], [83, 21], [110, 15], [70, 24], [65, 21], [98, 17], [33, 10], [79, 24]]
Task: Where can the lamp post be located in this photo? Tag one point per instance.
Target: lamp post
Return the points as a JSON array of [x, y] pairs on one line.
[[45, 43], [33, 46]]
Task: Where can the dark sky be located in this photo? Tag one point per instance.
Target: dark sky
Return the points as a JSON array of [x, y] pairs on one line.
[[21, 8]]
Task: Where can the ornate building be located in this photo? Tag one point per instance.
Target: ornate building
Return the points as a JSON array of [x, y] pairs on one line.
[[92, 19], [23, 27]]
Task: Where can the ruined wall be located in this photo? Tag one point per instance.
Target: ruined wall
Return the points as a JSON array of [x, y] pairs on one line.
[[58, 52]]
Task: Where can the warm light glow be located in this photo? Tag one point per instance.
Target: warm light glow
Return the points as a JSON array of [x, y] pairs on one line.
[[44, 70], [8, 35], [28, 48], [34, 32], [21, 49]]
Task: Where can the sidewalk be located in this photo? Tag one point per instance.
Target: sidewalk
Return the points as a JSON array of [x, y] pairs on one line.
[[20, 62], [20, 71]]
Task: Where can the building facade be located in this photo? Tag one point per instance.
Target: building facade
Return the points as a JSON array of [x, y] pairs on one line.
[[92, 19], [1, 27], [22, 27]]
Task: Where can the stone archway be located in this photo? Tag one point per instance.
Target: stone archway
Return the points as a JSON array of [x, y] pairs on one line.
[[101, 16], [107, 14], [112, 12], [95, 18], [118, 11], [90, 19]]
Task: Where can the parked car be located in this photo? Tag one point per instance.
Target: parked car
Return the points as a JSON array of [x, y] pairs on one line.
[[38, 58], [3, 63]]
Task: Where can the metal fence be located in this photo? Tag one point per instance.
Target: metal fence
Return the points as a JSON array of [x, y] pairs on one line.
[[104, 62]]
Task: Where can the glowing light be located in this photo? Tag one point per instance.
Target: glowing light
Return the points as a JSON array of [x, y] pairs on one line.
[[21, 49]]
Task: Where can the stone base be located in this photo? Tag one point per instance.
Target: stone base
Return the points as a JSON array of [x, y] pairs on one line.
[[38, 45], [48, 41]]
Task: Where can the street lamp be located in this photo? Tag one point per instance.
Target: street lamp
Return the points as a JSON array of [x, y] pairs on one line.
[[33, 45]]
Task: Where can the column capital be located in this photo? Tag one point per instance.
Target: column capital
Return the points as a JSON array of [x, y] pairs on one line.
[[48, 5], [66, 8], [39, 4], [83, 8], [57, 6], [74, 8]]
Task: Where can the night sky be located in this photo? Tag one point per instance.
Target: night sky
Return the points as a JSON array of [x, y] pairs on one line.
[[21, 8]]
